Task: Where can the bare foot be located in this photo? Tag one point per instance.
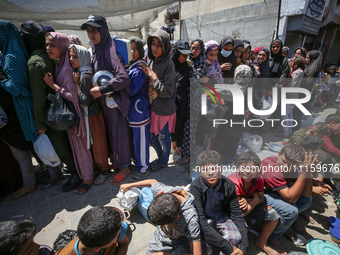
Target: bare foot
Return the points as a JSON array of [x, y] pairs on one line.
[[268, 250], [22, 191], [84, 187], [307, 217]]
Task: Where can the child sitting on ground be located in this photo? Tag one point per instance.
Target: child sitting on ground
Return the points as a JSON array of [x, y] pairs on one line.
[[288, 200], [311, 143], [100, 231], [319, 129], [220, 217], [332, 142], [175, 216], [249, 186], [16, 238]]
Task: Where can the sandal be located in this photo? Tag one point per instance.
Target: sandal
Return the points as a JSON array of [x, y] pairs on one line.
[[184, 161], [48, 183], [139, 176], [104, 175], [118, 178], [157, 167], [83, 188]]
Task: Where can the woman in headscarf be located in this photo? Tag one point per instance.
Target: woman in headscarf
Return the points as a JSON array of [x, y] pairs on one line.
[[139, 112], [75, 40], [57, 46], [279, 70], [80, 59], [14, 67], [162, 76], [226, 58], [238, 50], [312, 70], [182, 129], [16, 101], [261, 63], [106, 58], [301, 51], [197, 58], [230, 134], [39, 62], [279, 67], [262, 83], [198, 61], [213, 70]]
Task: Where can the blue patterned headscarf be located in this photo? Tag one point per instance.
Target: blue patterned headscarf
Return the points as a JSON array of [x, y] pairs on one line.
[[14, 66]]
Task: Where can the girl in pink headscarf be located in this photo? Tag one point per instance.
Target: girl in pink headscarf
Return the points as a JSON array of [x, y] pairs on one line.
[[57, 46]]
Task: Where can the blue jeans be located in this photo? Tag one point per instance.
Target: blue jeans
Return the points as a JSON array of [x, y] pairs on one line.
[[288, 212], [162, 144]]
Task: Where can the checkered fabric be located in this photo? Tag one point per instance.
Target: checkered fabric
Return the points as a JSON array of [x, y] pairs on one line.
[[14, 66]]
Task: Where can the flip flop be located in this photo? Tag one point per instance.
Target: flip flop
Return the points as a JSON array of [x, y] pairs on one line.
[[84, 187], [102, 178], [118, 178]]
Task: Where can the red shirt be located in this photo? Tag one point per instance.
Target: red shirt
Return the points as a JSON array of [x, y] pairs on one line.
[[329, 146], [257, 185], [272, 175]]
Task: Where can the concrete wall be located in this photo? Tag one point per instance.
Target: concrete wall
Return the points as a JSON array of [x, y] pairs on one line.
[[255, 22], [200, 7]]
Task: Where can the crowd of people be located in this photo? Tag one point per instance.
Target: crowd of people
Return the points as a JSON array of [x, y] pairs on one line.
[[153, 100]]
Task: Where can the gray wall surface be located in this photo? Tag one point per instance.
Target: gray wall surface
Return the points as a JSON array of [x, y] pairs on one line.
[[254, 22]]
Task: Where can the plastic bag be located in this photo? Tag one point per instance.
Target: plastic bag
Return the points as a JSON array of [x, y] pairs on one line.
[[44, 149], [128, 199], [253, 142], [145, 199], [61, 114]]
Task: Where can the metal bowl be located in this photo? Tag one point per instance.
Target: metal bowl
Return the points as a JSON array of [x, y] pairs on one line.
[[102, 78]]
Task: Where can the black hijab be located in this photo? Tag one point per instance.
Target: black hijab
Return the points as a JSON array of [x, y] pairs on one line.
[[230, 59], [264, 66], [33, 35], [314, 66], [303, 51], [279, 54]]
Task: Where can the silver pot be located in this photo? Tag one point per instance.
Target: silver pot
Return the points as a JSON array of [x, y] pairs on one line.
[[102, 78]]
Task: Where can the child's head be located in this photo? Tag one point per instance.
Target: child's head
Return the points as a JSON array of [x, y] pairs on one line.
[[79, 57], [99, 227], [298, 62], [319, 129], [333, 122], [211, 50], [311, 143], [208, 162], [16, 238], [290, 154], [332, 69], [164, 209], [137, 48], [52, 47], [74, 60], [93, 25], [159, 45], [248, 163]]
